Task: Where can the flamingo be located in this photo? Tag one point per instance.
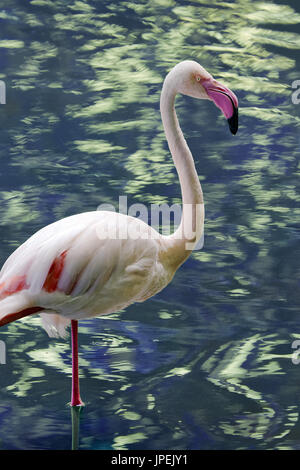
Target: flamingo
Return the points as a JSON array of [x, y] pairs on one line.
[[79, 267]]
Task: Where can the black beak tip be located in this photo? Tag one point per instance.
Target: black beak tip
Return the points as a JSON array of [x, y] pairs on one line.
[[234, 121]]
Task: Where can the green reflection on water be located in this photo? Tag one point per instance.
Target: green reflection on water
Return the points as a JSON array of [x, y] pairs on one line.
[[114, 75], [228, 368], [82, 126]]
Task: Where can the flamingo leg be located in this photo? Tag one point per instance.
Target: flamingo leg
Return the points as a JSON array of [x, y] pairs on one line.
[[75, 400]]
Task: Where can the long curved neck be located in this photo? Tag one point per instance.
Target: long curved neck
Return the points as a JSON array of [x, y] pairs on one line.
[[180, 244]]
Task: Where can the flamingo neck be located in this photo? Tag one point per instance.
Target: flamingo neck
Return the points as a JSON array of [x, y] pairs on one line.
[[183, 240]]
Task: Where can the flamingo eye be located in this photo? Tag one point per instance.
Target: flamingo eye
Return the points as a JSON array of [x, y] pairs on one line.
[[198, 78]]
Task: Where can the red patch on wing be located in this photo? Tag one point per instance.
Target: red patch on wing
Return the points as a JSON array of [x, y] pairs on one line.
[[13, 285], [51, 281], [18, 283], [10, 287], [16, 315]]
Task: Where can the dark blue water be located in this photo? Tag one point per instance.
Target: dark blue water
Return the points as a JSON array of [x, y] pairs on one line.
[[207, 363]]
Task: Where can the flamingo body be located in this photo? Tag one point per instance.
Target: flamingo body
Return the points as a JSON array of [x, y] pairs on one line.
[[74, 269]]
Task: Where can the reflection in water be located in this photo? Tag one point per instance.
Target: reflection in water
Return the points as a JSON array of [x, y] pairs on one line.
[[206, 364], [75, 415], [236, 367]]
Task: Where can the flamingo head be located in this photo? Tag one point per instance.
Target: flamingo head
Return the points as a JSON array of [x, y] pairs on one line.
[[191, 79]]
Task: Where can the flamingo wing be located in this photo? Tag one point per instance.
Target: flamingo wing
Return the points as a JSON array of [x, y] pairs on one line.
[[37, 265], [67, 270]]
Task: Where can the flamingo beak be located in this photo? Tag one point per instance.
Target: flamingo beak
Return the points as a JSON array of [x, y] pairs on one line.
[[233, 121], [224, 99]]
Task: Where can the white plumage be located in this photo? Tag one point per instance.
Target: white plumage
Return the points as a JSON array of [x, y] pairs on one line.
[[100, 262], [99, 276]]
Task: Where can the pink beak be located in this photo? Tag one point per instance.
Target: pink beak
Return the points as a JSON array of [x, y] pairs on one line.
[[224, 99]]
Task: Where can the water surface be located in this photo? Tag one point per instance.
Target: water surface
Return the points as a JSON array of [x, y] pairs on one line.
[[207, 363]]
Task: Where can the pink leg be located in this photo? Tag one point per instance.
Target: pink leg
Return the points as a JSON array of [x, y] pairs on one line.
[[75, 400]]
